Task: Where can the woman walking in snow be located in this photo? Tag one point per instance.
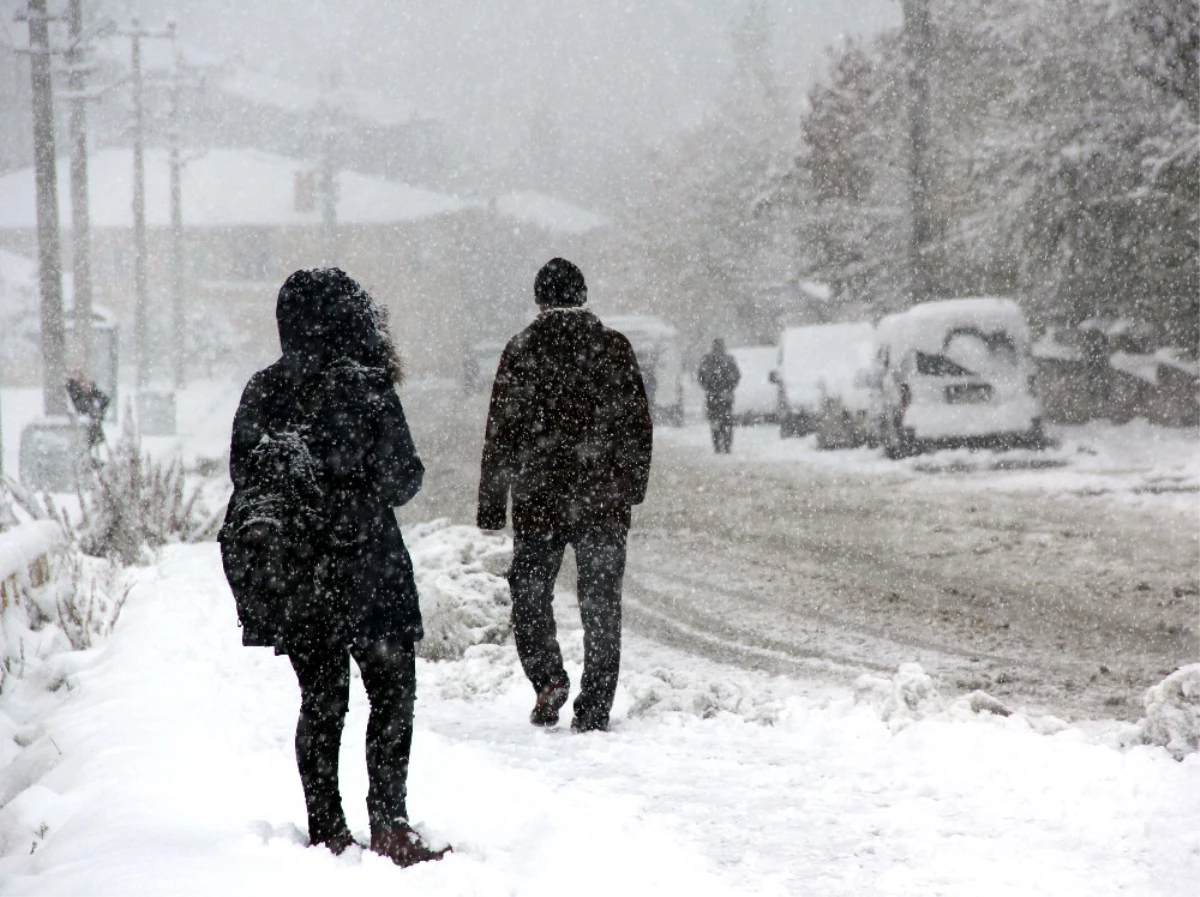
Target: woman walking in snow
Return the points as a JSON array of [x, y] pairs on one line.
[[321, 454]]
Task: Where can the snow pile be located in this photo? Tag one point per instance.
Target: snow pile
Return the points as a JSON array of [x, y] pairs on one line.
[[1173, 712], [460, 575], [662, 692], [910, 695]]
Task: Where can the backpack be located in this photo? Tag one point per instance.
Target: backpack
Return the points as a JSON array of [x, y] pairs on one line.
[[269, 538]]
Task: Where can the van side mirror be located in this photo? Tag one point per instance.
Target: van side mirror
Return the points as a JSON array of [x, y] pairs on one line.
[[773, 377]]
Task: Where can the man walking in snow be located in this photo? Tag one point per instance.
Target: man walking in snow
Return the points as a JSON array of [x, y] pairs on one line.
[[719, 376], [569, 435]]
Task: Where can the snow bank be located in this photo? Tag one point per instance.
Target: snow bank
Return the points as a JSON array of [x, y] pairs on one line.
[[663, 692], [911, 695], [1173, 713], [460, 573]]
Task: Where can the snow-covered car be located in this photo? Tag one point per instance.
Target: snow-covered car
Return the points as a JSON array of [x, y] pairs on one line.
[[817, 376], [956, 372], [755, 400], [656, 344]]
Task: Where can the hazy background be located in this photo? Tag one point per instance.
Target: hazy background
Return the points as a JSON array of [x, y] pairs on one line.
[[577, 85]]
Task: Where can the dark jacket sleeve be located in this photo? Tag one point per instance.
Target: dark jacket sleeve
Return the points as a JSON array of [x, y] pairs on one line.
[[635, 429], [398, 469], [499, 452], [249, 425]]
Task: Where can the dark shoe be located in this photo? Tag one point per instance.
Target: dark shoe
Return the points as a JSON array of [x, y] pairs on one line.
[[549, 700], [404, 847], [588, 724], [337, 843]]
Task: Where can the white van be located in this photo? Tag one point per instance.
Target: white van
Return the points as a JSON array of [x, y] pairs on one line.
[[755, 400], [820, 365], [656, 344], [956, 372]]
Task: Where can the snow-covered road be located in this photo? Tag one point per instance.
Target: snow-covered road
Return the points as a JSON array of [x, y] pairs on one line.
[[1066, 582], [162, 764]]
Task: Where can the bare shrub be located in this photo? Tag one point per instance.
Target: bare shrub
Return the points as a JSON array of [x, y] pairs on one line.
[[88, 601], [134, 502]]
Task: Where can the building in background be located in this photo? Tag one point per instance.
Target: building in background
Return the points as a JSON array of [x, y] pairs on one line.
[[450, 271]]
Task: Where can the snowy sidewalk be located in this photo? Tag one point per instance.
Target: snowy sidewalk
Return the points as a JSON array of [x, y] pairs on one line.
[[170, 771]]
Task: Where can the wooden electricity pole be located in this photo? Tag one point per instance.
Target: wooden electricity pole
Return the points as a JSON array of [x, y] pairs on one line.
[[81, 243], [54, 396], [918, 41]]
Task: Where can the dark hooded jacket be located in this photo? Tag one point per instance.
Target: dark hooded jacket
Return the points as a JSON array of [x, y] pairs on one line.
[[335, 386], [568, 431]]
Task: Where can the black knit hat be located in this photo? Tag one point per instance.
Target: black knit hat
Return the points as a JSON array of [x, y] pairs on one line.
[[559, 285]]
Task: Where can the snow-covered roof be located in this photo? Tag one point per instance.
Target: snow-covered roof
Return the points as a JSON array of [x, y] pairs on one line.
[[19, 280], [815, 290], [221, 188], [641, 328], [548, 212], [924, 327]]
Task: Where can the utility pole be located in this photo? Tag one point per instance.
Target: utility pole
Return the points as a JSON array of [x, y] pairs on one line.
[[81, 242], [918, 40], [141, 286], [176, 165], [142, 299], [54, 397]]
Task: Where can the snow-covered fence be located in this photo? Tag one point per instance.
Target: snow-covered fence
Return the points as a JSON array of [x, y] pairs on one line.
[[25, 553]]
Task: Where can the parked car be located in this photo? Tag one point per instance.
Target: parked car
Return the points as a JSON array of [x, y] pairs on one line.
[[818, 379], [956, 372], [755, 400], [656, 344]]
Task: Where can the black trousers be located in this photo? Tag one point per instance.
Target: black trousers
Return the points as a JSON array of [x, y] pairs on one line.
[[720, 421], [389, 675], [600, 557]]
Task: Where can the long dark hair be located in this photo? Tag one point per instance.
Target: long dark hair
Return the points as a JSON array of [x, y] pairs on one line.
[[326, 316]]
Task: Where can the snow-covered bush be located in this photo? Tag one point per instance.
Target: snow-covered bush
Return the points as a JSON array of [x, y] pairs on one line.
[[79, 602], [1173, 712], [460, 574], [134, 503]]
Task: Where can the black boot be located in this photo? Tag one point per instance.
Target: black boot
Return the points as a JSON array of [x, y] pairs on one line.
[[549, 700], [401, 844]]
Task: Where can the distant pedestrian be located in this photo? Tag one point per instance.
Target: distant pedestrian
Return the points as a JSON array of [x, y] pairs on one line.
[[90, 403], [719, 376], [569, 435], [321, 454]]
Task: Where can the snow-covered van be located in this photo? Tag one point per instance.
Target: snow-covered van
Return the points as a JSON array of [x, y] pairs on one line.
[[820, 365], [955, 372], [656, 344], [754, 400]]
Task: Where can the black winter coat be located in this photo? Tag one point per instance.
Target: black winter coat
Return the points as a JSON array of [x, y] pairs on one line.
[[569, 430], [356, 432]]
